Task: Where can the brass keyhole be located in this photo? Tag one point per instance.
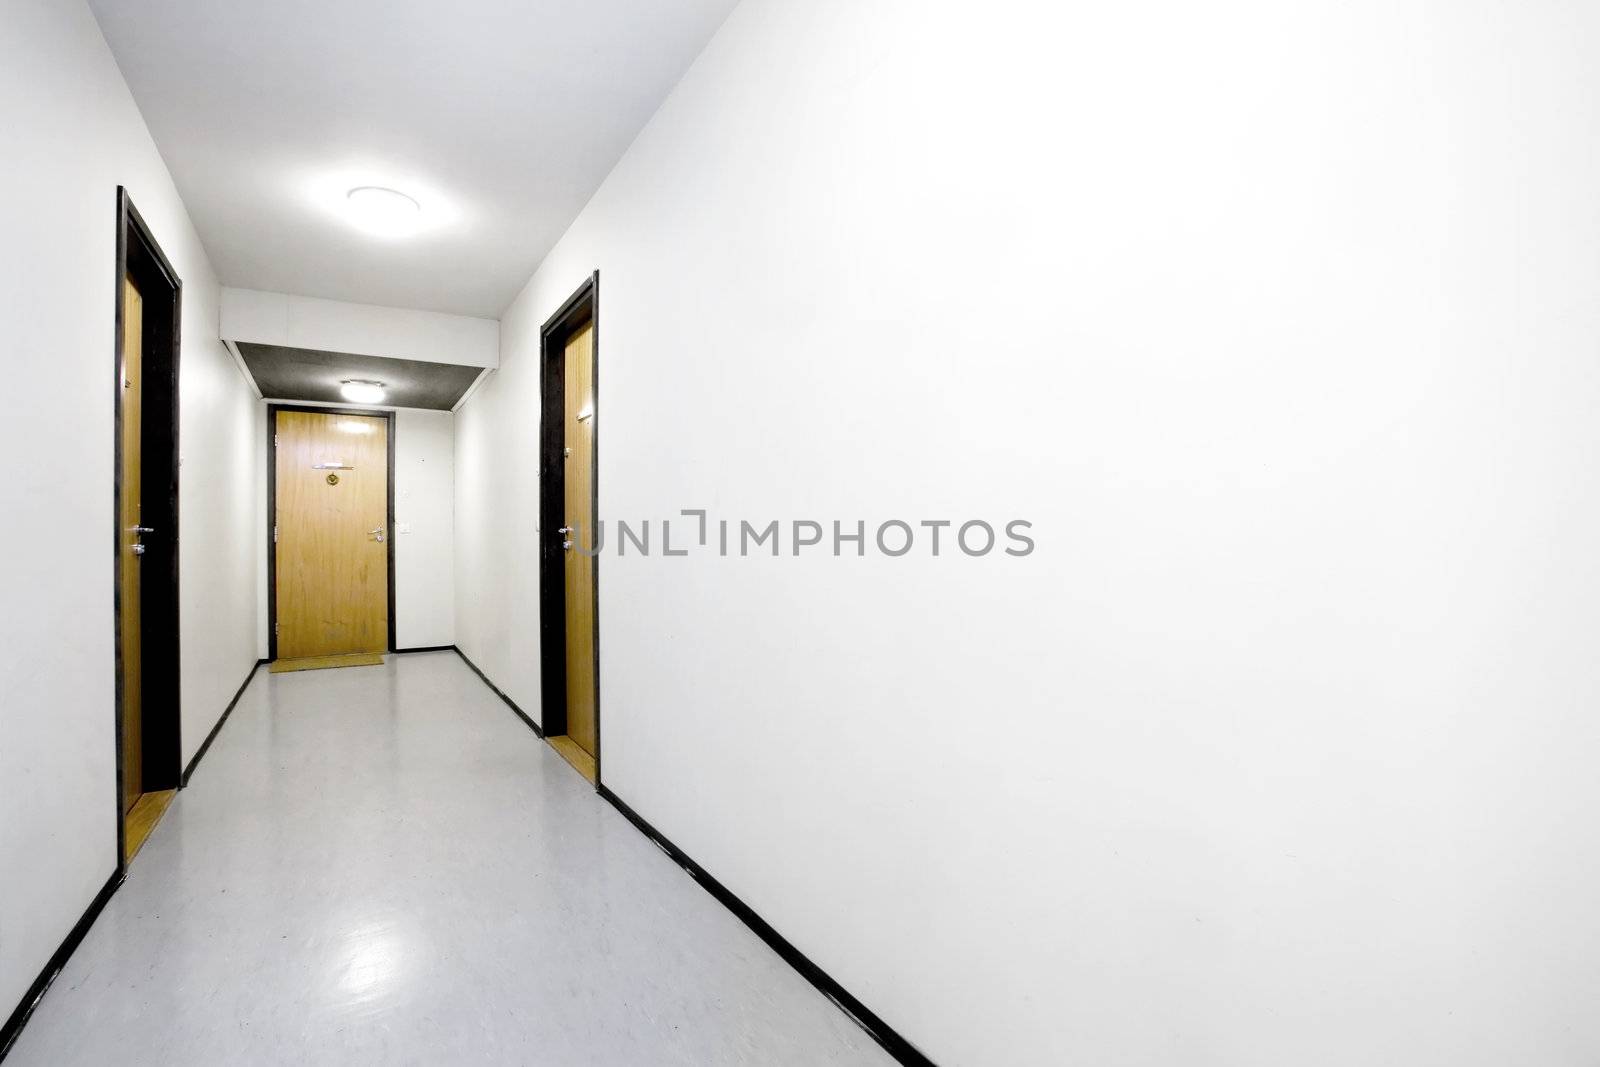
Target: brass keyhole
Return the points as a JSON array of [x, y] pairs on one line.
[[333, 479]]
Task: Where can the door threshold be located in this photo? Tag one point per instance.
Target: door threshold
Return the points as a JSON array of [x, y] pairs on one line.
[[142, 818], [570, 751]]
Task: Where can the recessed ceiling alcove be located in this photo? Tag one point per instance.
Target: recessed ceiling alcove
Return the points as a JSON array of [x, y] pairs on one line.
[[309, 374]]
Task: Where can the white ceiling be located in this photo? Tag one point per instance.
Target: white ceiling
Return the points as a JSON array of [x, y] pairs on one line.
[[500, 116]]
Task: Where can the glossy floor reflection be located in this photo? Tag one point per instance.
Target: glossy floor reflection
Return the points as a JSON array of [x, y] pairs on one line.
[[383, 865]]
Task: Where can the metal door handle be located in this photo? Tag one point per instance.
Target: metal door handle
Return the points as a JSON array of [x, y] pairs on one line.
[[142, 529], [377, 532]]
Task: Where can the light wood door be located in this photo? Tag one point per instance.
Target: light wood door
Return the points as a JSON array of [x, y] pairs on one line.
[[578, 507], [129, 602], [332, 529]]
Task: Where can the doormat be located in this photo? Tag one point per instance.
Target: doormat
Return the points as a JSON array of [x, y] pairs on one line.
[[318, 663]]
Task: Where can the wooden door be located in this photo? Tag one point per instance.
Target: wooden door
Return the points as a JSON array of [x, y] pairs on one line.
[[332, 530], [129, 525], [578, 492]]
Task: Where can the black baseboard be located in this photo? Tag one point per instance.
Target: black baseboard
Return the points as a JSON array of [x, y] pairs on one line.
[[512, 704], [30, 1000], [426, 648], [188, 772], [886, 1036], [895, 1045]]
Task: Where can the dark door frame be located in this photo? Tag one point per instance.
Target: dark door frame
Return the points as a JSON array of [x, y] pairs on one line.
[[139, 258], [272, 510], [581, 309]]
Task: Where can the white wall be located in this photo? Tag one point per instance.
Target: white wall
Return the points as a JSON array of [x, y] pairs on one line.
[[340, 326], [424, 538], [222, 446], [70, 134], [1280, 323]]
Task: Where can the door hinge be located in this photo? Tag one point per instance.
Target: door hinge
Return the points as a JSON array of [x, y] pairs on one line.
[[274, 533]]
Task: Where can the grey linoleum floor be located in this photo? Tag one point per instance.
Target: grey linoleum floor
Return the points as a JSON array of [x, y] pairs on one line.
[[383, 865]]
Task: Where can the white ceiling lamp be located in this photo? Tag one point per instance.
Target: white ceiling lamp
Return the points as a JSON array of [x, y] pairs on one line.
[[384, 212], [358, 391]]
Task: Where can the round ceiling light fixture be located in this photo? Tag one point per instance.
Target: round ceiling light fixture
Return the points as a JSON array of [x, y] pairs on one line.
[[358, 391], [383, 211]]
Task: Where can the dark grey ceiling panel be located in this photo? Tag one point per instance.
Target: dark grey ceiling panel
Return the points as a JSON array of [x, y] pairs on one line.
[[307, 374]]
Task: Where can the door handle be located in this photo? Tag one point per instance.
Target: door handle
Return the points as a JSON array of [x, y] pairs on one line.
[[377, 533], [141, 529]]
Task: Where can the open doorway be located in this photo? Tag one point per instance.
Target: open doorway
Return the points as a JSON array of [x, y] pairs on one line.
[[569, 521], [145, 505]]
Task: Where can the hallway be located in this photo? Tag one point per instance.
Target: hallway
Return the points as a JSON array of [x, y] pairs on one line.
[[1057, 534], [385, 866]]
